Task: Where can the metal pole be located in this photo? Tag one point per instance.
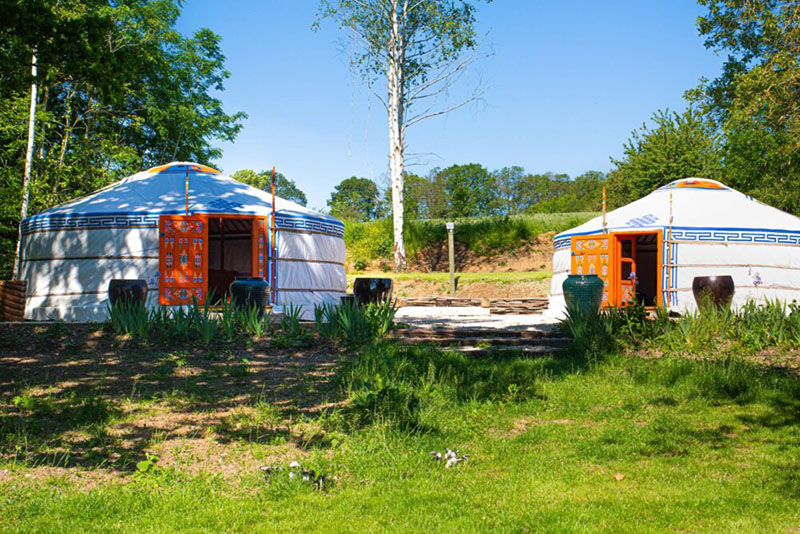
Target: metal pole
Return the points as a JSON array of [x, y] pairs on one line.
[[451, 257]]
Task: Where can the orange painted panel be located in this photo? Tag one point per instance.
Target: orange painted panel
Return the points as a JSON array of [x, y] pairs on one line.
[[183, 259], [592, 255], [259, 254]]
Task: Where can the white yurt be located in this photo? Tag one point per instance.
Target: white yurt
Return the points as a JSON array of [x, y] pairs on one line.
[[186, 229], [650, 250]]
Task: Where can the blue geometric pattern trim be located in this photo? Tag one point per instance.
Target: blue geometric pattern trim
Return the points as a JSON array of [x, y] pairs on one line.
[[644, 220], [77, 222], [563, 242], [222, 204], [710, 235], [310, 225], [737, 236]]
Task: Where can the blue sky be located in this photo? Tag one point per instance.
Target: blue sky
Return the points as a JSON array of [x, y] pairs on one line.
[[566, 82]]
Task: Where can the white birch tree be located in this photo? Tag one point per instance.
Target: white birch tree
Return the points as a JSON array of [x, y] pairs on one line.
[[26, 177], [422, 48]]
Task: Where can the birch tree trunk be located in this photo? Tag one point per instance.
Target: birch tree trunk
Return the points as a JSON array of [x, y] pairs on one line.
[[396, 111], [26, 177]]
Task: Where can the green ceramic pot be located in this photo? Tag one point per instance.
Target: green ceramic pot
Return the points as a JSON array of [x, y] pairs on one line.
[[583, 291]]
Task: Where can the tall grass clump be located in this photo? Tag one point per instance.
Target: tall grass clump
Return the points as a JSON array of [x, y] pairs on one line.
[[355, 325], [709, 331]]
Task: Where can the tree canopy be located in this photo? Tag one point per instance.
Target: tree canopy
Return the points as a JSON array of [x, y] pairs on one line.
[[120, 89], [678, 145], [356, 199], [284, 187]]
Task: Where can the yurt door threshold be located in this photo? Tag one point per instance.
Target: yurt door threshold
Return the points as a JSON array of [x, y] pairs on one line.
[[630, 265], [200, 255]]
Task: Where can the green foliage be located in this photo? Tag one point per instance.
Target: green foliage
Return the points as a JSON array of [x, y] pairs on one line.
[[467, 191], [355, 325], [184, 324], [356, 199], [755, 327], [284, 187], [754, 100], [120, 89], [677, 146]]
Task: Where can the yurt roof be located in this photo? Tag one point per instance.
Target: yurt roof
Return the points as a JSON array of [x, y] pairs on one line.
[[161, 191], [698, 205]]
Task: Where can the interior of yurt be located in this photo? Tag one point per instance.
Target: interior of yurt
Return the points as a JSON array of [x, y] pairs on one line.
[[186, 229], [650, 251]]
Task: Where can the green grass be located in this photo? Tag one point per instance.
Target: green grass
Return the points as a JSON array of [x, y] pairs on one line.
[[463, 278], [700, 446]]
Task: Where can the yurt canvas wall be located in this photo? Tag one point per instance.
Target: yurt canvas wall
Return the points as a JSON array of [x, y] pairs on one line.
[[691, 227], [163, 226]]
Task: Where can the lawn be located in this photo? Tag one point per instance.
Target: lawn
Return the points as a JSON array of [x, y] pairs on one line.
[[99, 434]]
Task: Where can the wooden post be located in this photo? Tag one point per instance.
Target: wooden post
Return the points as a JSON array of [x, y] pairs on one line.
[[187, 191], [274, 280], [451, 257]]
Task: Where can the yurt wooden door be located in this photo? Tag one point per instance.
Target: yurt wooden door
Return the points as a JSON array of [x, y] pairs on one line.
[[592, 255], [626, 279], [183, 259]]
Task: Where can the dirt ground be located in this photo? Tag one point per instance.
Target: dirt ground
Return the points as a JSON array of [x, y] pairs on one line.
[[534, 256], [75, 401]]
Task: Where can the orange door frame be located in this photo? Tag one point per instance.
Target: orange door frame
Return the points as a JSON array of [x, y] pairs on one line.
[[258, 248], [617, 238], [614, 275]]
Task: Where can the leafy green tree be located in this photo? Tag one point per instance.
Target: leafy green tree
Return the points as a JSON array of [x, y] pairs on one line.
[[677, 146], [120, 89], [284, 187], [470, 191], [754, 102], [356, 199], [420, 48], [511, 195]]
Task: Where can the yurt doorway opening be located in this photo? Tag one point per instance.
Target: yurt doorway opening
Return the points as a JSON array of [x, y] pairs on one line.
[[638, 270], [230, 252]]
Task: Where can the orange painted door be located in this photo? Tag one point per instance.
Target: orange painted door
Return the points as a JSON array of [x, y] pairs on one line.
[[183, 259], [626, 278], [591, 255], [260, 247]]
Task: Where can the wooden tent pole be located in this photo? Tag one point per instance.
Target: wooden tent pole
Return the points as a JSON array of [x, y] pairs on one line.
[[274, 245], [187, 190], [669, 250], [604, 210]]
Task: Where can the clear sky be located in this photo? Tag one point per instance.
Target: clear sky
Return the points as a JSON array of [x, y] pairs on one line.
[[566, 82]]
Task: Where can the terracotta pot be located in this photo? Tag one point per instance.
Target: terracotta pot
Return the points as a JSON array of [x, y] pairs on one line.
[[716, 290], [132, 290]]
